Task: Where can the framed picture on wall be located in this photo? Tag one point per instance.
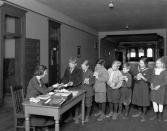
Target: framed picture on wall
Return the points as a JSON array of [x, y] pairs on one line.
[[78, 51]]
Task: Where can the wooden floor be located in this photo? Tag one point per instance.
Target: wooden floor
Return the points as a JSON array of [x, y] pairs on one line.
[[131, 124], [6, 116]]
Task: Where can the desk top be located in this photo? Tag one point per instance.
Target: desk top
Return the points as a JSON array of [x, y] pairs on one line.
[[39, 104]]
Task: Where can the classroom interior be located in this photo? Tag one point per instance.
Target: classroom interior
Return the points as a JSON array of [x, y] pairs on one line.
[[49, 32]]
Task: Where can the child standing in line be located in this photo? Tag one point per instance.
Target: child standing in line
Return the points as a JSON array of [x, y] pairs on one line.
[[164, 59], [87, 85], [101, 77], [125, 90], [73, 77], [113, 92], [158, 84], [141, 91]]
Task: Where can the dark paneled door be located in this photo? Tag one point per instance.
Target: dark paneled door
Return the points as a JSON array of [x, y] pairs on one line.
[[12, 39], [54, 52]]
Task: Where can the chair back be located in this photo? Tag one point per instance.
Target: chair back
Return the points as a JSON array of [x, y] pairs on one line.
[[17, 99]]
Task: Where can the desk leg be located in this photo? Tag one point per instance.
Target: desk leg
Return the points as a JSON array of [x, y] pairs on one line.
[[56, 125], [83, 109], [27, 122]]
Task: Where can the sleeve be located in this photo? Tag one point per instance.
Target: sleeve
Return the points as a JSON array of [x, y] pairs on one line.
[[91, 78], [129, 82], [152, 77], [119, 80], [148, 75], [43, 89], [163, 85], [103, 76], [65, 78]]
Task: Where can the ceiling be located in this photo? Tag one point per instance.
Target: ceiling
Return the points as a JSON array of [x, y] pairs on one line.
[[134, 38], [126, 14], [137, 40]]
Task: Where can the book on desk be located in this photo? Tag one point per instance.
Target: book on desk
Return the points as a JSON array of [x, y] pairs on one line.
[[56, 99]]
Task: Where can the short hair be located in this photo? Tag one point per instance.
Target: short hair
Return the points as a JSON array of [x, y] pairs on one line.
[[116, 62], [87, 63], [72, 60], [101, 61], [40, 70], [145, 60], [127, 65], [163, 59]]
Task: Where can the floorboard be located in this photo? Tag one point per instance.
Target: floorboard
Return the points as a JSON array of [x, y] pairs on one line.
[[131, 124]]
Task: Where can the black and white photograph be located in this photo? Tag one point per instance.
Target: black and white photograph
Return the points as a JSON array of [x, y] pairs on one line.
[[83, 65]]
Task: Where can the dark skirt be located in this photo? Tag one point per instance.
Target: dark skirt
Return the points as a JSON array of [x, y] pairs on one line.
[[126, 95], [113, 95], [165, 98], [158, 96], [141, 94]]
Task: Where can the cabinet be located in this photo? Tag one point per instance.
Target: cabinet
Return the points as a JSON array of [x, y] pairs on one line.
[[12, 31]]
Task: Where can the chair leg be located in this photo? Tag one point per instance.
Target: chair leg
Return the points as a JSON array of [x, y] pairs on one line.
[[15, 124]]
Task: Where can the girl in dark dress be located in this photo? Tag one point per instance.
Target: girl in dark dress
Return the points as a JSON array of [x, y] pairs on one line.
[[141, 94], [35, 88], [158, 84]]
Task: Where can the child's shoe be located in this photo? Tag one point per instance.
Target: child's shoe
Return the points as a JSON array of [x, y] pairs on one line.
[[76, 121], [125, 116], [86, 119], [98, 114], [102, 117], [143, 119], [160, 116], [153, 117], [109, 115], [136, 115], [115, 116]]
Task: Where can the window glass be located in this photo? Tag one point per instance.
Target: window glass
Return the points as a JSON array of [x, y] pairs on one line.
[[149, 52], [141, 52], [132, 53]]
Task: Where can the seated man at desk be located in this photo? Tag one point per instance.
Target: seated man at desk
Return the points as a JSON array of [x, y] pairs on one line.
[[73, 77], [35, 88]]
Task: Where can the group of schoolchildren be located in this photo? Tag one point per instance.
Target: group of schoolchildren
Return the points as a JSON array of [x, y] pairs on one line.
[[114, 88]]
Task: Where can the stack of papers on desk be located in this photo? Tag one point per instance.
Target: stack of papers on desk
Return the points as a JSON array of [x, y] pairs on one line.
[[34, 100], [44, 97], [74, 93]]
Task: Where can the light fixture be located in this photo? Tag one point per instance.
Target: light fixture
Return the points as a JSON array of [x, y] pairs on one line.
[[127, 27], [111, 5]]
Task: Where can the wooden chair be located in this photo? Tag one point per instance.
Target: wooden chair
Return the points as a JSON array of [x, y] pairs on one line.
[[17, 99]]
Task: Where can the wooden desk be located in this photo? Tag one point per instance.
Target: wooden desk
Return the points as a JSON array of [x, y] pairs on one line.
[[39, 109]]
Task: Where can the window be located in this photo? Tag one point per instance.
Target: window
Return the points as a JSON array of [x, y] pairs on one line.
[[141, 52], [149, 52], [132, 53]]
